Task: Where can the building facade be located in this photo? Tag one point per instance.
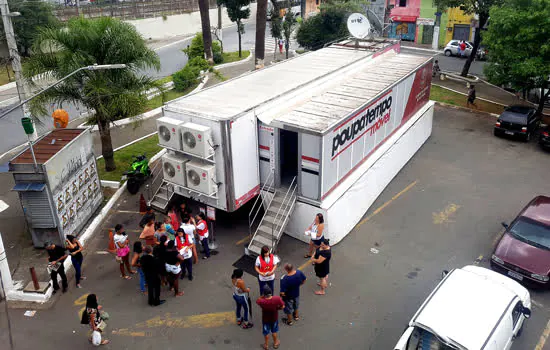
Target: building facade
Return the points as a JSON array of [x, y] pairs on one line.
[[403, 14], [459, 25]]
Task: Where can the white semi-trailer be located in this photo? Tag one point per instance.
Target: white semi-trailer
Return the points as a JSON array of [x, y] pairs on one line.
[[323, 132]]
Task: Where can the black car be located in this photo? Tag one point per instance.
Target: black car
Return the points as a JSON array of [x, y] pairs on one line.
[[518, 121], [544, 139]]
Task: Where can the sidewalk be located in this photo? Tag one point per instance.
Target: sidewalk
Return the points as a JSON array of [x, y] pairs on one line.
[[488, 92]]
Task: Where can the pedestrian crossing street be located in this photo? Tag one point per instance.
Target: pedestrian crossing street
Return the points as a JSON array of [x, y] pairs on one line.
[[271, 44]]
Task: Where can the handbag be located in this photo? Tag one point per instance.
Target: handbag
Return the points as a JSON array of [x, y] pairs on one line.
[[118, 259], [96, 338]]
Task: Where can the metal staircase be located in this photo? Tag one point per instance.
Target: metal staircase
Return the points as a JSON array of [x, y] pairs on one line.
[[278, 204], [164, 190]]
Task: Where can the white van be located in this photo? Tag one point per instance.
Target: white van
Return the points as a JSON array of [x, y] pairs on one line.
[[473, 308]]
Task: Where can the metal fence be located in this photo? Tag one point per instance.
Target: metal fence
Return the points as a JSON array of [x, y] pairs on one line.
[[126, 9]]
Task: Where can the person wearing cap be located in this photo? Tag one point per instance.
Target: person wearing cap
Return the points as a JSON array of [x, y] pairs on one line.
[[56, 258], [270, 306]]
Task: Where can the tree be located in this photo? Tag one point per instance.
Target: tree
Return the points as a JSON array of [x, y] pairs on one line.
[[261, 18], [327, 26], [289, 23], [276, 28], [481, 9], [237, 10], [34, 15], [112, 94], [196, 49], [206, 35], [515, 41]]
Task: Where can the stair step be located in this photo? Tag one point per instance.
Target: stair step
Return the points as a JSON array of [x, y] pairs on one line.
[[266, 230], [272, 220], [161, 195], [255, 249], [161, 205], [263, 240]]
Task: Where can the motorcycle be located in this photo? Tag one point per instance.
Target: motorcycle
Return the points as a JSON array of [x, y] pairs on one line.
[[137, 174]]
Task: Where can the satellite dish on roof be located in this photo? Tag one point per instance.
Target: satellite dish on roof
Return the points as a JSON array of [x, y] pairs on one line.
[[358, 26], [375, 22]]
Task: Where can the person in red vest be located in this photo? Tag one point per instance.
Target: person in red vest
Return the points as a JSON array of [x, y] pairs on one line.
[[185, 247], [265, 266], [202, 231]]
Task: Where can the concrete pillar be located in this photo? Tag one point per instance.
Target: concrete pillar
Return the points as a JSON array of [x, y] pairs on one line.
[[5, 273]]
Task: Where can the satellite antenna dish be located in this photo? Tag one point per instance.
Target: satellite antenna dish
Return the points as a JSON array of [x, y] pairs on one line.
[[375, 22], [358, 26]]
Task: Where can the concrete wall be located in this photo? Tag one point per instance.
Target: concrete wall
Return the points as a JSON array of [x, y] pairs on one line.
[[427, 10], [456, 16], [180, 25]]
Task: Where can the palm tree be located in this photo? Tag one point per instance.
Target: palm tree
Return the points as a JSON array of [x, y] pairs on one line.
[[206, 34], [261, 18], [112, 94]]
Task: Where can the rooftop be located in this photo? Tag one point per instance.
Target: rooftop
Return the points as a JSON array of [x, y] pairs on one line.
[[240, 95], [466, 308], [47, 146]]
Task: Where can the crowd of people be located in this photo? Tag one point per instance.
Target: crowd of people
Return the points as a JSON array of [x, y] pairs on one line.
[[165, 254]]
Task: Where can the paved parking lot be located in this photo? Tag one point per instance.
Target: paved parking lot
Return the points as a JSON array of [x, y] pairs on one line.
[[442, 211]]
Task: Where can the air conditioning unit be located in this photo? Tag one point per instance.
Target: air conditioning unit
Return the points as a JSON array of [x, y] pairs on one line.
[[173, 168], [169, 132], [197, 140], [201, 177]]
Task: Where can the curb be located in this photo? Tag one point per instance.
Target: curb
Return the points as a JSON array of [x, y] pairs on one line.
[[8, 86], [129, 143], [443, 104], [230, 64], [457, 77], [477, 98]]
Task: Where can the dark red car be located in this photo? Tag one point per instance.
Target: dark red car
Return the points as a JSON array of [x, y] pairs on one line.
[[523, 252]]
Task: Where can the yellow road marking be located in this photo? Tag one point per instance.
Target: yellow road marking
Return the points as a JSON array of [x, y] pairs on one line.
[[387, 203], [478, 260], [81, 300], [304, 265], [241, 241], [443, 216], [543, 337], [212, 320], [127, 332]]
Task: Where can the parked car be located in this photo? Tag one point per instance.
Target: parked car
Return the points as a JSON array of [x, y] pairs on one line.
[[451, 49], [544, 138], [472, 308], [523, 252], [517, 121]]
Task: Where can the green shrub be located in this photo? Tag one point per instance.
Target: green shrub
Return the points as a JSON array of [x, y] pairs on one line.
[[196, 48], [185, 78], [218, 58], [199, 62]]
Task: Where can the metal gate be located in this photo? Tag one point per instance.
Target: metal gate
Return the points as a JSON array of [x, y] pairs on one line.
[[461, 32], [427, 34]]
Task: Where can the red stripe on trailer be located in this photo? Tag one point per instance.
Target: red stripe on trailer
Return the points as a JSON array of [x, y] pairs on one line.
[[362, 110], [247, 196], [264, 147], [309, 159]]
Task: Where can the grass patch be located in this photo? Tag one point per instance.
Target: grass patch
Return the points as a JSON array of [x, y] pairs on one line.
[[443, 95], [301, 51], [229, 57], [4, 74], [123, 157], [164, 80], [169, 95]]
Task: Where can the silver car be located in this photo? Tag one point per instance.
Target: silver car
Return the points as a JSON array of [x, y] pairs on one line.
[[451, 49]]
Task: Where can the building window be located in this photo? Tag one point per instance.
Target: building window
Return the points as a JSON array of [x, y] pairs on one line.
[[316, 2], [402, 3]]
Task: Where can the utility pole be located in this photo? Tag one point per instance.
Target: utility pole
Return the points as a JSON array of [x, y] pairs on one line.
[[14, 56], [435, 38]]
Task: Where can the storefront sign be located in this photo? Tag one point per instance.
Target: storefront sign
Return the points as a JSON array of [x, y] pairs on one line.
[[425, 21], [211, 213]]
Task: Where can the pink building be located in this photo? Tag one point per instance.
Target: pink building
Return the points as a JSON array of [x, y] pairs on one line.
[[404, 13]]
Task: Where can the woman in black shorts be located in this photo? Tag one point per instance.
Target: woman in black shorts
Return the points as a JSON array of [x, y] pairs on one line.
[[315, 231], [321, 264]]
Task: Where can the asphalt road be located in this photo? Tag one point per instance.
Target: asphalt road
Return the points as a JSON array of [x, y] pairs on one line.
[[452, 64], [440, 212], [172, 59]]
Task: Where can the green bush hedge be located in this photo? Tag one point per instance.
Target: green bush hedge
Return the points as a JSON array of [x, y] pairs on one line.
[[190, 74]]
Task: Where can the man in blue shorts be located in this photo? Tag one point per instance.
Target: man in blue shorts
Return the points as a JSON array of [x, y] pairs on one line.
[[290, 292], [270, 306]]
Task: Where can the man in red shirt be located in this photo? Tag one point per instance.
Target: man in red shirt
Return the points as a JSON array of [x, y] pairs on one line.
[[270, 316]]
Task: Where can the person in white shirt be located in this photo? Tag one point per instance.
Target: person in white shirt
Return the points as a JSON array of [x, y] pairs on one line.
[[265, 266], [202, 231], [185, 247], [190, 230]]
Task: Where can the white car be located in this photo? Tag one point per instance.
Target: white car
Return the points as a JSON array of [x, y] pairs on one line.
[[472, 308], [451, 49]]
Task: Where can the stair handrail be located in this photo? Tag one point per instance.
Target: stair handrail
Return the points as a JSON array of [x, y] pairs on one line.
[[283, 205], [269, 181], [157, 168]]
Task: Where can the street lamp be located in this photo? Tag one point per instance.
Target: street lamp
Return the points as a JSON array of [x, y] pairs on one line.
[[27, 122]]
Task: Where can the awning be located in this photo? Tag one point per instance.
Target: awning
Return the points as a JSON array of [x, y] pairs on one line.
[[404, 18], [29, 187]]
